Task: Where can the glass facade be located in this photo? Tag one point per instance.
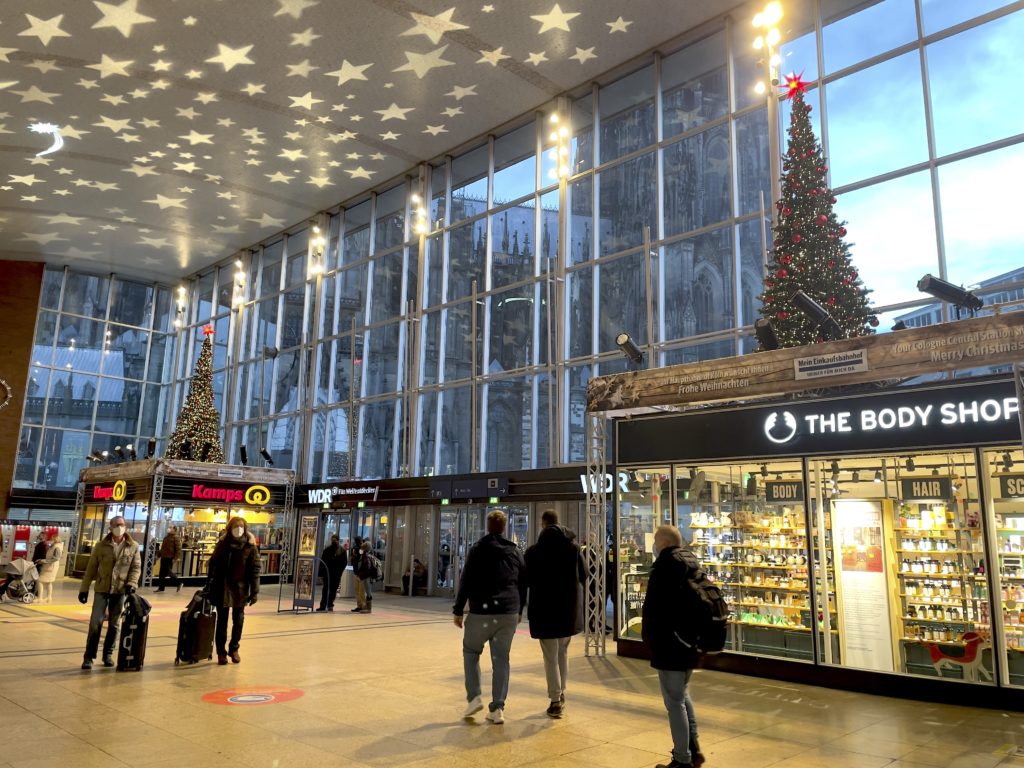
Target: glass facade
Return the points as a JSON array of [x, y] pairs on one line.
[[468, 346]]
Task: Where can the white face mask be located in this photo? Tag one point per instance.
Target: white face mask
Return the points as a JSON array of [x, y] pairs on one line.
[[118, 531], [237, 531]]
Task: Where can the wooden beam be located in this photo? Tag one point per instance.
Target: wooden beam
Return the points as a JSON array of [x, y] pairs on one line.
[[972, 343]]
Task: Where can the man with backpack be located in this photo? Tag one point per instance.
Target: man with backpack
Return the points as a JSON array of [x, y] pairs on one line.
[[368, 569], [684, 616]]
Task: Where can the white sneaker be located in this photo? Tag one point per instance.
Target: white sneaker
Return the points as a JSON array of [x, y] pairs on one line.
[[473, 707], [496, 716]]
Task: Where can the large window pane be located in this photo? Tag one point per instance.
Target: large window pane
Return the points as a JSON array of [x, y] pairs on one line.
[[72, 397], [697, 296], [695, 85], [430, 348], [627, 114], [582, 146], [438, 196], [577, 379], [390, 218], [939, 14], [456, 431], [509, 424], [972, 103], [79, 344], [27, 459], [425, 466], [118, 406], [980, 221], [291, 322], [891, 236], [86, 294], [62, 456], [458, 343], [356, 243], [35, 395], [623, 290], [351, 296], [862, 119], [204, 294], [132, 303], [855, 30], [124, 352], [579, 308], [515, 164], [433, 288], [270, 280], [384, 351], [46, 333], [549, 230], [386, 301], [469, 184], [339, 445], [282, 440], [627, 204], [286, 381], [753, 171], [467, 248], [377, 440], [697, 188], [298, 249], [512, 252], [694, 354], [511, 333], [49, 294], [581, 218], [752, 250]]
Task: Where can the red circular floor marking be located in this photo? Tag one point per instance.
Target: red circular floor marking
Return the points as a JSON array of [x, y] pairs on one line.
[[255, 696]]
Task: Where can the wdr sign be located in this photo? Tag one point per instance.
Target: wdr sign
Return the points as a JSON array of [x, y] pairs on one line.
[[609, 483]]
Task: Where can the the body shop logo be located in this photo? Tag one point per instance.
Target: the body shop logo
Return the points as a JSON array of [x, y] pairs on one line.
[[780, 427], [257, 495], [116, 492]]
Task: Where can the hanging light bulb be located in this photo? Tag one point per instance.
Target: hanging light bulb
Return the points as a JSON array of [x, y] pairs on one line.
[[878, 475]]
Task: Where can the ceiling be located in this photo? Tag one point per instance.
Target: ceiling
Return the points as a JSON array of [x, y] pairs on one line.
[[194, 128]]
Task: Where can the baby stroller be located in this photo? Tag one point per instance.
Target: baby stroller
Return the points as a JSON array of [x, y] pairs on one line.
[[19, 581]]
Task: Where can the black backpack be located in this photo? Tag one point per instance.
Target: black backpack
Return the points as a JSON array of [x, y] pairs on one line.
[[710, 620]]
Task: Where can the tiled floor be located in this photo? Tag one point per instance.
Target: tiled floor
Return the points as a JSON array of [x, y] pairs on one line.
[[386, 689]]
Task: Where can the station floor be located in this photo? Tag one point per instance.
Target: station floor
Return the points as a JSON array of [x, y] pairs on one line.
[[385, 689]]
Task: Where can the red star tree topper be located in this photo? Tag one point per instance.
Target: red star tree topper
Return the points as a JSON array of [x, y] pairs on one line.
[[809, 253], [199, 421]]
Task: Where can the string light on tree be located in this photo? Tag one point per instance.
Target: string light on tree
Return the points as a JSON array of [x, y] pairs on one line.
[[198, 423], [809, 253]]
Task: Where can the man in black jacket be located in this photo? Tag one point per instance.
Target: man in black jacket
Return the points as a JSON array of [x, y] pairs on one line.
[[666, 630], [334, 559], [554, 571], [494, 583]]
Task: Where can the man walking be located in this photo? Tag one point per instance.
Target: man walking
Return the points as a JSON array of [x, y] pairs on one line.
[[668, 632], [170, 551], [554, 572], [494, 584], [115, 567], [334, 558]]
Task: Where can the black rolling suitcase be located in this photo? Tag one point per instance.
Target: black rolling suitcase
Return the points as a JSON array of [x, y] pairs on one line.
[[131, 647], [195, 630]]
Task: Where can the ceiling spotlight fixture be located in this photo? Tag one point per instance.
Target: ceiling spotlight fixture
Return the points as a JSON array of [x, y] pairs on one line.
[[856, 476], [778, 476], [629, 348], [266, 456], [131, 451], [766, 336], [151, 448], [878, 475], [243, 454], [956, 295], [935, 472], [817, 314], [910, 464], [899, 325], [52, 130], [120, 452]]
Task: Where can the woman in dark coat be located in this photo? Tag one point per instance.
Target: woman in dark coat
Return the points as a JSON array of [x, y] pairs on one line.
[[554, 572], [234, 583]]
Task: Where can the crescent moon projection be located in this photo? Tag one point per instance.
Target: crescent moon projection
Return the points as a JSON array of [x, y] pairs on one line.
[[53, 130]]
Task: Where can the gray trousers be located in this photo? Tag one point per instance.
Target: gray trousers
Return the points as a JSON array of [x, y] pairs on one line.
[[556, 665], [497, 630]]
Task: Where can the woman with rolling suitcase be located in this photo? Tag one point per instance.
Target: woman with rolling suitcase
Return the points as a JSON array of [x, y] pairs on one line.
[[233, 584]]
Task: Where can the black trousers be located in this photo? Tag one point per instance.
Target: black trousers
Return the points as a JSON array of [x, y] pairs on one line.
[[166, 570], [237, 621], [330, 589]]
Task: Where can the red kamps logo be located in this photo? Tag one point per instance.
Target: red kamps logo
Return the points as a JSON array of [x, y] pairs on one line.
[[227, 495], [104, 493]]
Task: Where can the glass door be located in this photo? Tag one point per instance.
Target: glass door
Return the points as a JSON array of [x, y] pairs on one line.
[[518, 530], [470, 529], [447, 536]]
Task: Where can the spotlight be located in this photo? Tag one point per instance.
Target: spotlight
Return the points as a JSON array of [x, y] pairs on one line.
[[778, 476], [266, 456], [244, 454], [151, 448], [764, 470], [835, 467], [935, 472], [105, 455], [766, 336], [205, 455], [878, 475], [1007, 461], [186, 450], [629, 348], [856, 476], [120, 452], [910, 465], [817, 314], [899, 325], [131, 451], [95, 458], [956, 295]]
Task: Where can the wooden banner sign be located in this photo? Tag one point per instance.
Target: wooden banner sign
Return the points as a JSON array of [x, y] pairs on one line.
[[971, 343]]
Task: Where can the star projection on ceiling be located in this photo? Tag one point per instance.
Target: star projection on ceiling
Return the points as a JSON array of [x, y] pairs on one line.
[[192, 130]]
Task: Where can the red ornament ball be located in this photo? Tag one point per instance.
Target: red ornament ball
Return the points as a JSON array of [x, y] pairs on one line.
[[797, 238], [842, 231], [769, 284], [853, 275], [803, 155], [786, 211], [833, 199], [814, 193], [831, 264], [769, 299], [782, 315], [832, 301], [819, 340], [846, 281], [873, 321], [823, 219], [781, 273], [785, 258]]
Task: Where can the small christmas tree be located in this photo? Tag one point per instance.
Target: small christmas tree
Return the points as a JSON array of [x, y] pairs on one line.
[[809, 253], [198, 422]]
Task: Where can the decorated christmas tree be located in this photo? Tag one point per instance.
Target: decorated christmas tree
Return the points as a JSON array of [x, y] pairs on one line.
[[809, 253], [197, 432]]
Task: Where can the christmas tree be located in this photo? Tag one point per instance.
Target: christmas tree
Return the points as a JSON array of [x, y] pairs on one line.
[[197, 432], [809, 253]]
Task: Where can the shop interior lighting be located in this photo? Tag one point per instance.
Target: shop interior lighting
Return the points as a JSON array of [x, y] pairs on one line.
[[817, 314], [878, 475], [956, 295], [910, 464], [766, 336], [151, 448], [243, 454], [629, 348]]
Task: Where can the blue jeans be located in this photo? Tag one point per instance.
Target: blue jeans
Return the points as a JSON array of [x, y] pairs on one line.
[[498, 630], [675, 692], [103, 602]]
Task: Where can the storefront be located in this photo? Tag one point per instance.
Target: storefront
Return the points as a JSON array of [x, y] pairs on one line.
[[196, 498], [436, 519], [878, 533]]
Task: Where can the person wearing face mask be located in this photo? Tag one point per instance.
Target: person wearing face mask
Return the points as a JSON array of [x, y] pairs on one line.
[[114, 568], [234, 582]]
